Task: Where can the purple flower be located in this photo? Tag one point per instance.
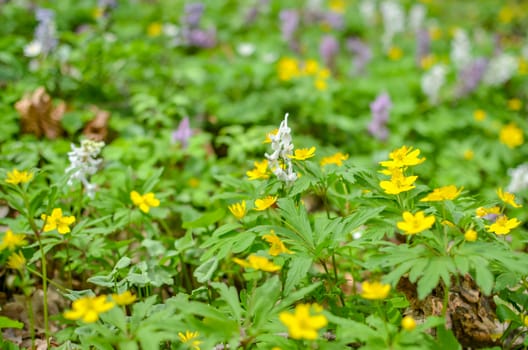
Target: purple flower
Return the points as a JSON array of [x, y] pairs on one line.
[[380, 108], [183, 133], [201, 38], [193, 14], [255, 10], [45, 33], [328, 49], [362, 52], [335, 20], [470, 76], [423, 45], [106, 4], [289, 23]]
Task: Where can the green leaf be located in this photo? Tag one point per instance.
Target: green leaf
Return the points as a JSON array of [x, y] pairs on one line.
[[297, 271], [484, 278], [9, 323], [205, 271], [446, 339], [206, 219], [230, 296], [297, 221]]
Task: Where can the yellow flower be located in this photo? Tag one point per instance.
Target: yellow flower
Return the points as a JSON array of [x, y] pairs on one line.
[[336, 159], [427, 61], [435, 33], [277, 246], [303, 153], [271, 133], [469, 154], [98, 12], [88, 308], [511, 135], [154, 29], [16, 261], [11, 241], [506, 14], [144, 202], [190, 337], [479, 115], [337, 6], [258, 263], [481, 211], [503, 225], [508, 198], [374, 290], [193, 182], [442, 193], [395, 53], [413, 224], [398, 182], [260, 171], [16, 177], [303, 324], [402, 157], [320, 84], [523, 66], [57, 221], [514, 104], [311, 67], [238, 209], [470, 235], [265, 203], [125, 298], [408, 323], [288, 68]]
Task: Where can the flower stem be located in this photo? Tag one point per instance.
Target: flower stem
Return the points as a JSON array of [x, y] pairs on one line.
[[44, 289]]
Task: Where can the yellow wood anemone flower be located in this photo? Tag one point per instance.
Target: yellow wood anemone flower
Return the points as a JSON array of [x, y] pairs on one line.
[[260, 171], [503, 225], [471, 235], [277, 246], [511, 135], [304, 322], [398, 183], [508, 198], [125, 298], [190, 338], [336, 159], [89, 308], [264, 203], [257, 263], [403, 157], [11, 241], [408, 323], [145, 201], [413, 224], [443, 193], [375, 290], [238, 209], [303, 153], [16, 261], [57, 221], [16, 177]]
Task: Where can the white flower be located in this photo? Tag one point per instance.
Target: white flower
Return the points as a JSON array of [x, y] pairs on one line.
[[393, 21], [246, 49], [432, 81], [279, 161], [84, 163], [519, 178], [500, 69], [461, 49], [417, 17], [33, 49], [367, 8], [170, 29]]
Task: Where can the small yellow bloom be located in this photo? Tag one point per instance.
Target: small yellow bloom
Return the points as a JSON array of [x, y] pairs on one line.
[[506, 14], [413, 224], [11, 241], [320, 84], [258, 263], [428, 61], [154, 29], [57, 221], [271, 133], [190, 337], [125, 298], [408, 323], [260, 171], [511, 135], [442, 193], [523, 66], [435, 33], [470, 235], [448, 223], [303, 153], [303, 324], [398, 182], [525, 321], [264, 203], [16, 177], [508, 198], [288, 68], [374, 290], [395, 53], [16, 261], [323, 73], [193, 182], [336, 159], [238, 209], [481, 211], [98, 12], [479, 115], [311, 67], [144, 202], [88, 308], [514, 104], [337, 6], [503, 225], [469, 154], [403, 157], [277, 246]]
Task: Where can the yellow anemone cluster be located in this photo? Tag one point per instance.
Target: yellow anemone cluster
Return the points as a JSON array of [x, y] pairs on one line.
[[290, 68], [399, 160]]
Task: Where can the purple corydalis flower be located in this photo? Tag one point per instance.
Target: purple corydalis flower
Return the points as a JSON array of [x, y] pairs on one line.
[[423, 45], [183, 133], [335, 20], [362, 54], [201, 38], [45, 33], [380, 108], [193, 14], [289, 23], [328, 49], [471, 75]]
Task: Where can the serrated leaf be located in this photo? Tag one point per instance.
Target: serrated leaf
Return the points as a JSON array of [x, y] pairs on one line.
[[484, 278], [205, 271], [297, 271]]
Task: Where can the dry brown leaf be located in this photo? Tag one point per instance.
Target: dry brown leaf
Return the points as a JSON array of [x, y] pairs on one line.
[[97, 128]]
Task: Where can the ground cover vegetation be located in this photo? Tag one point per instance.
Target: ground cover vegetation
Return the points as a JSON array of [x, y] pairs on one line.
[[263, 174]]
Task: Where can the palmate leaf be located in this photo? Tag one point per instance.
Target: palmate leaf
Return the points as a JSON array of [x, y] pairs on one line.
[[296, 219]]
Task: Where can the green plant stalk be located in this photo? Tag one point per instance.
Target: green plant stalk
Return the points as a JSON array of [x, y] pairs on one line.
[[336, 278], [44, 289], [55, 284], [446, 300], [70, 278], [30, 315]]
